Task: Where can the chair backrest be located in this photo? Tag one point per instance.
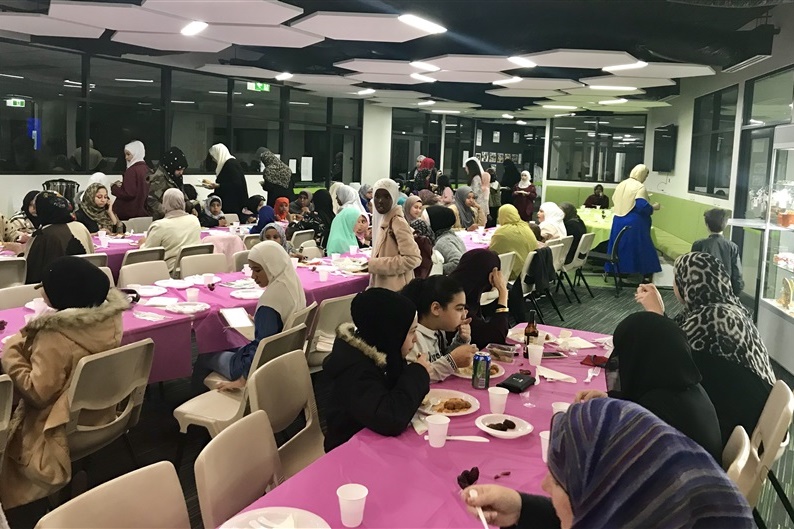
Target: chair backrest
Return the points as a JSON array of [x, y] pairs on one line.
[[525, 288], [108, 272], [251, 240], [277, 345], [6, 400], [582, 252], [311, 252], [304, 316], [506, 265], [300, 237], [556, 254], [438, 264], [138, 224], [156, 253], [112, 382], [331, 313], [97, 259], [231, 217], [736, 460], [13, 297], [150, 497], [283, 388], [204, 264], [236, 467], [614, 255], [193, 249], [240, 260], [143, 273], [559, 261], [13, 272]]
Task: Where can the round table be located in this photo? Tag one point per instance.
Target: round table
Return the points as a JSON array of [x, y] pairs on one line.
[[602, 227]]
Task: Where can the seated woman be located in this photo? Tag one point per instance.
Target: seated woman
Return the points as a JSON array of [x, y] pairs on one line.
[[212, 215], [468, 216], [265, 216], [283, 296], [96, 213], [372, 386], [598, 199], [573, 226], [177, 229], [446, 195], [652, 366], [300, 206], [251, 209], [344, 231], [281, 209], [550, 219], [275, 232], [447, 243], [614, 464], [441, 307], [22, 224], [365, 196], [413, 210], [346, 196], [513, 235], [40, 359], [725, 343], [477, 272]]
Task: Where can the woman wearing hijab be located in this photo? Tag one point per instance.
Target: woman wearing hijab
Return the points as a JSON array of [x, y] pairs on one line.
[[614, 464], [444, 190], [23, 222], [346, 196], [41, 359], [300, 206], [426, 177], [283, 296], [95, 211], [598, 199], [265, 216], [510, 179], [447, 243], [320, 219], [168, 175], [177, 229], [365, 195], [372, 384], [211, 215], [133, 190], [251, 209], [725, 343], [632, 208], [58, 235], [573, 226], [281, 209], [468, 215], [333, 190], [343, 231], [550, 221], [478, 272], [395, 253], [277, 178], [275, 232], [413, 210], [229, 183], [524, 195], [513, 235], [480, 183]]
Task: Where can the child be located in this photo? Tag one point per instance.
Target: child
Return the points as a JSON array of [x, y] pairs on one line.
[[212, 215], [721, 248], [441, 307]]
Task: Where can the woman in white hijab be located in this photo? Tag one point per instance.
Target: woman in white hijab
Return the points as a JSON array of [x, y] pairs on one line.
[[346, 196], [230, 184], [133, 189], [333, 190], [551, 219], [630, 190], [283, 296]]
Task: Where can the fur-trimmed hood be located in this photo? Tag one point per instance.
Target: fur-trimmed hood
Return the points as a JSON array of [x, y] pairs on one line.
[[350, 350], [347, 332]]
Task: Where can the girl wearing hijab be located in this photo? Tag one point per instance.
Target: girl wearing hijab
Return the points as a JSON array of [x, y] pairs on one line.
[[133, 190], [283, 296], [413, 210], [614, 464], [96, 213], [598, 199], [177, 229], [632, 208], [550, 218], [275, 232], [321, 218], [478, 272], [480, 183], [265, 216], [468, 215], [281, 209], [211, 216], [300, 206], [395, 253], [513, 235], [372, 384], [24, 222], [427, 173], [510, 179], [168, 175], [251, 209], [277, 178], [524, 195], [444, 190], [573, 226], [229, 183], [343, 231], [447, 243], [333, 190], [725, 343], [365, 195], [346, 196]]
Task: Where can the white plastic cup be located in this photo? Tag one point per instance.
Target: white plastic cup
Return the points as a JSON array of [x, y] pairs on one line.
[[535, 354], [437, 426], [192, 294], [560, 407], [497, 398], [353, 249], [102, 234], [103, 241], [565, 334], [335, 256], [208, 278], [544, 445], [323, 276], [352, 499], [295, 262], [480, 229]]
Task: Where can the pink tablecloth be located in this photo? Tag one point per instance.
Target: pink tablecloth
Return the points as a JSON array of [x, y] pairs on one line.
[[472, 240], [413, 485], [116, 252]]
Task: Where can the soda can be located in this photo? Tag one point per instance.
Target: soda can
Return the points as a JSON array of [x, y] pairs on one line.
[[481, 370]]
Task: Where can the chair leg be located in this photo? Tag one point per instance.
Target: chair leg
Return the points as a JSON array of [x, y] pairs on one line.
[[617, 280], [580, 275], [573, 290], [758, 520], [130, 451], [781, 494], [180, 450], [554, 304], [562, 286], [537, 308]]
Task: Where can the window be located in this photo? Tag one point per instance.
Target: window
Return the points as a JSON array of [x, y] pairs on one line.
[[255, 120], [712, 142], [772, 97], [346, 112], [307, 107], [308, 149]]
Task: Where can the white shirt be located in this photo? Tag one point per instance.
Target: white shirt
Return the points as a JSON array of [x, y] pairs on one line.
[[428, 343]]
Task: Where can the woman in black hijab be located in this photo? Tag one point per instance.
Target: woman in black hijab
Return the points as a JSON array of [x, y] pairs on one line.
[[510, 178], [574, 226], [321, 218]]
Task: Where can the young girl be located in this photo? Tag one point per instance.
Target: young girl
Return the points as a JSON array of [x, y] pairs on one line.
[[448, 244], [441, 307], [343, 231], [251, 209], [265, 216], [274, 232], [282, 208], [212, 215]]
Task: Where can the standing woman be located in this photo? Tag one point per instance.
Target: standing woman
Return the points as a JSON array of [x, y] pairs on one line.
[[552, 225], [524, 195], [96, 213], [468, 215], [480, 182], [133, 190], [427, 173], [321, 217], [229, 183], [510, 179], [167, 176], [277, 178]]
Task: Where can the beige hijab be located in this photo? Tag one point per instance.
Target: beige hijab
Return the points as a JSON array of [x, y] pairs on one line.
[[629, 190]]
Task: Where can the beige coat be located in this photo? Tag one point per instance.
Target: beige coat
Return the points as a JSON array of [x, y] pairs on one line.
[[395, 255], [40, 360], [480, 217], [172, 234]]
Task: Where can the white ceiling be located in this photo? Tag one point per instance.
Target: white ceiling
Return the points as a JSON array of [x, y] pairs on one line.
[[268, 12], [372, 27], [36, 24], [377, 66], [672, 70], [616, 80], [567, 58], [124, 17], [238, 71], [386, 78], [467, 77], [537, 83], [272, 36], [400, 94], [321, 79], [471, 63], [605, 93], [169, 41], [522, 92]]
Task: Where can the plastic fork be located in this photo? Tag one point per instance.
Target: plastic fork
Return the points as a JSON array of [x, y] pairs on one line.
[[592, 372]]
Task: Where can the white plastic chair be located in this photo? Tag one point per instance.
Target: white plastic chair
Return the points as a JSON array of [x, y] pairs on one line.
[[251, 240], [438, 264], [143, 273], [304, 316], [331, 313], [311, 252], [204, 264], [283, 388], [148, 498], [97, 259], [236, 468], [735, 459], [566, 242], [231, 217], [138, 224], [578, 262], [13, 272], [13, 297], [507, 260], [240, 260], [156, 253], [108, 272], [193, 249], [6, 401], [300, 237]]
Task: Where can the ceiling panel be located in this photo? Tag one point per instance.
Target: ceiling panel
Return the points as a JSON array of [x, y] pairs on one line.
[[471, 63], [321, 79], [169, 41], [568, 58], [377, 66], [636, 82], [270, 36], [372, 27], [125, 17], [238, 71], [268, 12], [467, 77], [661, 70], [522, 92], [384, 78], [42, 25], [600, 93], [331, 88], [541, 83], [400, 94]]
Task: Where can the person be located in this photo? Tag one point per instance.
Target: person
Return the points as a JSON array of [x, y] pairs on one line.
[[427, 174], [480, 184], [444, 190], [513, 235], [598, 199], [510, 179], [58, 235], [477, 272], [494, 198], [265, 216], [251, 209], [441, 308], [346, 196], [365, 195], [212, 215], [652, 365], [550, 219], [468, 214], [94, 158], [282, 297], [277, 178], [372, 386], [573, 226], [275, 232], [427, 197], [343, 231], [169, 175], [612, 463], [132, 190], [192, 203], [413, 210], [300, 205], [337, 167], [413, 174], [96, 213], [23, 222], [41, 360], [281, 209], [320, 219], [449, 245], [632, 208], [229, 183], [175, 230], [721, 248], [726, 345], [524, 195]]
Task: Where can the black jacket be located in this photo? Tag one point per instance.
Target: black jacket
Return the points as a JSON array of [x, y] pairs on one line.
[[576, 228], [233, 190], [360, 396], [541, 271]]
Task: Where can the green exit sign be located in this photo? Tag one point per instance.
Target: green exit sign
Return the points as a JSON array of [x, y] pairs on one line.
[[14, 102], [259, 87]]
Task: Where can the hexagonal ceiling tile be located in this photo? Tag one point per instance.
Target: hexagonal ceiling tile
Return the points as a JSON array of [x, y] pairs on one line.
[[169, 41], [467, 77], [372, 27], [332, 88], [377, 66], [42, 25], [272, 36], [635, 82], [271, 12], [384, 78], [400, 94], [321, 79], [522, 92], [238, 71], [121, 17], [568, 58], [601, 93], [661, 70], [544, 83], [647, 103], [471, 63]]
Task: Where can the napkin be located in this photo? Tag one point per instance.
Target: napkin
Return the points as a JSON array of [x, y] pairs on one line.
[[594, 361], [148, 316], [550, 374], [576, 343], [160, 301], [419, 424]]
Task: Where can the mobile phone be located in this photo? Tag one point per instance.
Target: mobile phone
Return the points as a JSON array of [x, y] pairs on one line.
[[554, 354]]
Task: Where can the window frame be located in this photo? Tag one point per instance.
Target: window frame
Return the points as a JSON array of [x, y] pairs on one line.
[[713, 135]]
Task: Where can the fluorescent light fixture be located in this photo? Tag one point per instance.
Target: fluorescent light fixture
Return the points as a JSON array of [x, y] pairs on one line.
[[11, 76], [135, 80], [598, 122], [507, 116], [627, 135], [566, 128], [567, 115], [366, 92], [423, 78], [222, 93], [433, 121], [614, 88], [181, 102], [425, 66], [618, 101], [72, 86], [403, 132], [144, 104], [426, 103], [249, 104], [421, 23], [745, 63], [194, 28], [560, 107], [756, 122], [435, 111], [579, 130], [520, 61], [643, 126], [620, 67], [298, 103], [604, 134], [67, 81], [508, 81], [521, 122], [284, 76]]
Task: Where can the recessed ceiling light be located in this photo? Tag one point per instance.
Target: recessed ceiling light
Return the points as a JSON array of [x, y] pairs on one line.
[[520, 61], [435, 111], [643, 126], [249, 104], [507, 116], [520, 122], [598, 122], [366, 92], [180, 102], [284, 76], [426, 103], [194, 28], [67, 81], [508, 81], [427, 67], [618, 101], [423, 78], [403, 132], [560, 107], [621, 67], [135, 80], [614, 88], [222, 93], [421, 23], [11, 76]]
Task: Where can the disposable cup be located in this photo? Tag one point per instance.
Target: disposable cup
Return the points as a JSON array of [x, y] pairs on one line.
[[560, 407], [437, 426], [335, 256], [192, 294], [565, 334], [497, 398], [295, 261], [103, 242], [323, 276], [535, 353], [352, 499], [544, 445], [208, 278], [102, 233], [353, 249]]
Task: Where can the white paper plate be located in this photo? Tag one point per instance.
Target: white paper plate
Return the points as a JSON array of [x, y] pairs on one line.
[[120, 241], [188, 307], [466, 372], [441, 395], [149, 291], [199, 279], [518, 336], [273, 516], [246, 283], [522, 427], [173, 283], [246, 293], [29, 306]]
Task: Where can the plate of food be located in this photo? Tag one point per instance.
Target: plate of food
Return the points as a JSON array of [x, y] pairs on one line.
[[518, 336], [174, 283], [503, 426], [351, 264], [199, 279], [466, 372], [276, 518], [449, 402], [246, 293], [187, 307], [148, 291], [239, 283], [312, 262]]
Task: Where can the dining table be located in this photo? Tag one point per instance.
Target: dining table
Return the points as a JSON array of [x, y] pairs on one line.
[[478, 239], [597, 221], [411, 484]]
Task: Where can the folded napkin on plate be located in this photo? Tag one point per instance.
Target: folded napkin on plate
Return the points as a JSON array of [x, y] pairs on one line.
[[595, 361], [575, 342], [148, 316], [550, 374], [419, 424], [160, 301]]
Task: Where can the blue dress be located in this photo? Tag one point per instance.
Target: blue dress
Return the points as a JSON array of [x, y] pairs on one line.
[[636, 254]]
